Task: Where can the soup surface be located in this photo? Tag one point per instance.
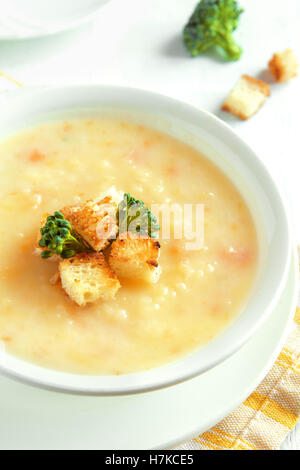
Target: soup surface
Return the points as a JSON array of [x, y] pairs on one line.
[[199, 292]]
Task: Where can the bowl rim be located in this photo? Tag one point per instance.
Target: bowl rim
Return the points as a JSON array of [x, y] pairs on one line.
[[166, 375], [40, 31]]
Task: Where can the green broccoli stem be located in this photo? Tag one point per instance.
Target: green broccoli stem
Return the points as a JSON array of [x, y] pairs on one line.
[[132, 210], [76, 244], [232, 50]]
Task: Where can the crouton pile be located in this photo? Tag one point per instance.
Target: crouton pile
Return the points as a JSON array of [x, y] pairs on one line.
[[97, 273]]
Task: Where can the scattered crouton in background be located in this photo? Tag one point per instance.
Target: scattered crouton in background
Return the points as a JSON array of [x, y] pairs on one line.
[[94, 221], [135, 257], [87, 278], [246, 97], [284, 66]]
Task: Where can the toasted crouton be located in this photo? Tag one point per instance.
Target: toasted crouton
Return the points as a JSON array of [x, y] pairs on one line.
[[94, 221], [247, 97], [135, 257], [87, 278], [112, 192], [284, 66]]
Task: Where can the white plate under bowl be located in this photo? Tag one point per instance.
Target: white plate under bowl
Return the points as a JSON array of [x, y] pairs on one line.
[[25, 19], [37, 419]]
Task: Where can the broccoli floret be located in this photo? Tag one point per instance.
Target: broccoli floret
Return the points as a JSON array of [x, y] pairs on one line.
[[58, 238], [211, 25], [133, 215]]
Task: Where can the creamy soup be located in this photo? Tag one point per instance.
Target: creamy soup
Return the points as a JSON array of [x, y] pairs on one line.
[[199, 292]]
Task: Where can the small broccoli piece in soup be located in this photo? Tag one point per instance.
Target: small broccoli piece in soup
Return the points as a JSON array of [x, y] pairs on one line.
[[135, 217], [59, 238]]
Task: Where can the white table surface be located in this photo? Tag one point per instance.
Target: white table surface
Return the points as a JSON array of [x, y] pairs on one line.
[[137, 43]]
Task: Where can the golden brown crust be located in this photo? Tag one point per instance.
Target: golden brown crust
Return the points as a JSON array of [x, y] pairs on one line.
[[152, 263], [142, 247], [135, 256], [87, 277], [275, 67], [263, 86], [226, 107], [94, 259], [94, 221], [283, 66]]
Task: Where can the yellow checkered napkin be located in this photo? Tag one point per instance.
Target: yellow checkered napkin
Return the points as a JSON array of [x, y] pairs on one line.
[[7, 82], [263, 421]]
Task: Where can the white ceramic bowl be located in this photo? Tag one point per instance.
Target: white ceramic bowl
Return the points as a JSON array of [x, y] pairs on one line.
[[27, 19], [220, 144]]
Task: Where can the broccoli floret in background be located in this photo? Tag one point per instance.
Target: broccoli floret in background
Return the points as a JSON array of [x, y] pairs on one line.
[[211, 25]]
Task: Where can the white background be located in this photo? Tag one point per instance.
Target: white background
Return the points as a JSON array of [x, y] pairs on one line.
[[138, 43]]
